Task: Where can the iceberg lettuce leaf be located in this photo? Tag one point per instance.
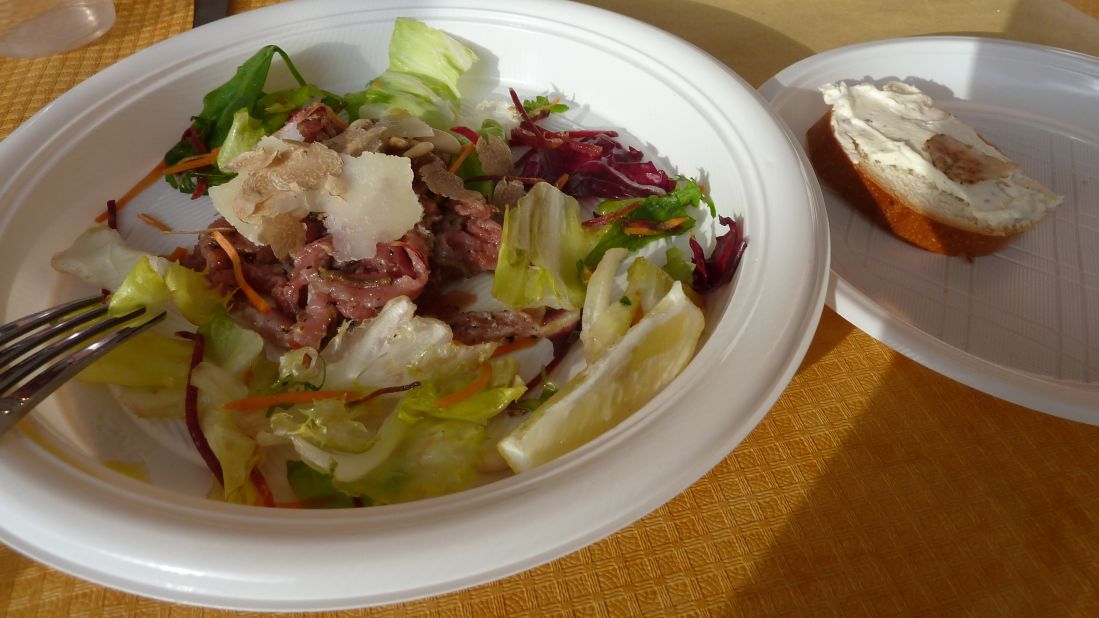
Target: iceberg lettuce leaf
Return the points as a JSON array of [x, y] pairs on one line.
[[99, 257], [541, 252], [425, 65], [504, 388], [143, 287], [243, 135], [235, 449], [347, 466], [327, 424], [397, 347], [232, 347], [435, 457], [147, 359]]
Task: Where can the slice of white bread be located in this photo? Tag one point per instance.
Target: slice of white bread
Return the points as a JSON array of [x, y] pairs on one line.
[[920, 172]]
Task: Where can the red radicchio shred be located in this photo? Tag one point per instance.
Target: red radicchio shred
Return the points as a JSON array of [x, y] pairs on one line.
[[266, 498], [195, 138], [719, 269], [384, 391], [526, 121], [357, 502], [112, 214], [579, 134], [105, 294], [467, 133], [596, 165], [190, 406], [200, 187]]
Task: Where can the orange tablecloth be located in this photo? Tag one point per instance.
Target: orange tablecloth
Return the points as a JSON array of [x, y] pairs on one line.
[[874, 486]]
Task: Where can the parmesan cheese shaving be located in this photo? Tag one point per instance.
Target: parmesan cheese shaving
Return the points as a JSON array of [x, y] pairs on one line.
[[366, 199]]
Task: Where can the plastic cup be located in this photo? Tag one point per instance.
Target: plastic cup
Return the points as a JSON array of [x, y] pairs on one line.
[[34, 28]]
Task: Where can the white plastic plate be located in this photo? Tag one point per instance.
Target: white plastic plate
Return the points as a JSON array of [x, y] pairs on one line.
[[1021, 324], [64, 506]]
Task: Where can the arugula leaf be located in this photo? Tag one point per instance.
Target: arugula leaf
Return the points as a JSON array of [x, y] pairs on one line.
[[542, 106], [653, 210], [210, 127]]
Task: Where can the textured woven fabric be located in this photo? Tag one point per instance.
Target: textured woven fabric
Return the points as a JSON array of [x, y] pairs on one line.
[[873, 487]]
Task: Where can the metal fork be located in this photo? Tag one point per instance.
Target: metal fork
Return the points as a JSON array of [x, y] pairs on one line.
[[28, 344]]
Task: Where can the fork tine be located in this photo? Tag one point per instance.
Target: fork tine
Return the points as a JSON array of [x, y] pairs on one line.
[[17, 328], [30, 341], [16, 373], [26, 397]]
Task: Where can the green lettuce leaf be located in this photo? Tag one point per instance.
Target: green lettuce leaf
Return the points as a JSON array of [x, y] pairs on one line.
[[541, 252], [147, 359], [397, 347], [677, 266], [327, 424], [301, 369], [236, 450], [315, 489], [435, 457], [243, 135], [655, 208], [505, 387], [424, 67], [345, 466], [154, 281], [99, 257], [232, 347], [144, 286]]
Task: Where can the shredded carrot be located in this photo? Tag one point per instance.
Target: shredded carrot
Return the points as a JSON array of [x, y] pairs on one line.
[[484, 376], [238, 272], [640, 231], [156, 174], [614, 216], [462, 156], [161, 170], [193, 163], [153, 221], [561, 181], [260, 402], [177, 254], [514, 346], [671, 224]]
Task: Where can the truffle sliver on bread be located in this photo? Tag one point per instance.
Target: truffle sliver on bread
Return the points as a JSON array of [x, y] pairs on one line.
[[920, 172]]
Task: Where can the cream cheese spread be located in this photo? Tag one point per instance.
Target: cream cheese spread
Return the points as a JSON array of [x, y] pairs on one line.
[[890, 127]]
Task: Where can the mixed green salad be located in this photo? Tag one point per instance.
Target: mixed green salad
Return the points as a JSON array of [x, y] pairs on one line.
[[393, 275]]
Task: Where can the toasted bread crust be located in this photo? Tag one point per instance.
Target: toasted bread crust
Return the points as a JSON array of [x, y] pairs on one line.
[[836, 170]]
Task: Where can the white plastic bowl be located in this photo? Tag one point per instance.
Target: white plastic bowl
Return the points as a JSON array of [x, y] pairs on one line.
[[162, 539]]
